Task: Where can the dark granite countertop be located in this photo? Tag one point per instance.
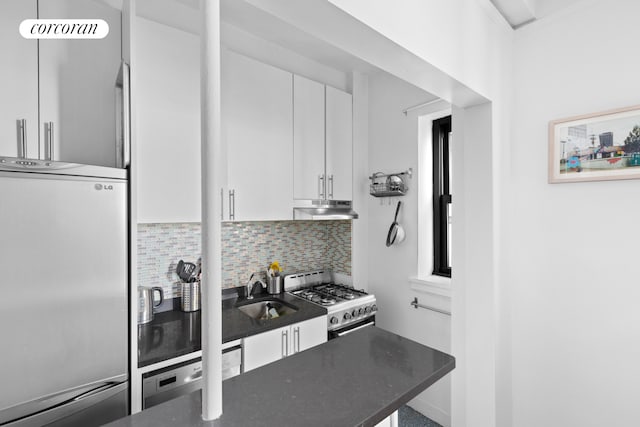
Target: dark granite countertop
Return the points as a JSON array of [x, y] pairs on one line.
[[175, 333], [170, 334], [355, 380]]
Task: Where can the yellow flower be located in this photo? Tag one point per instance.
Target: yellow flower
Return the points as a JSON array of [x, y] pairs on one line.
[[275, 266]]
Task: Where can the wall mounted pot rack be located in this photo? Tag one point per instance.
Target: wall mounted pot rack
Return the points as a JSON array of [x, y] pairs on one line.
[[389, 184]]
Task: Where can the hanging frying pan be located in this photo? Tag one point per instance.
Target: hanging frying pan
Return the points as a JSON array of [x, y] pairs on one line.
[[396, 232]]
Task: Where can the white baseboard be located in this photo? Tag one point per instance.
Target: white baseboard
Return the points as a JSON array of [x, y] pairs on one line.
[[430, 411]]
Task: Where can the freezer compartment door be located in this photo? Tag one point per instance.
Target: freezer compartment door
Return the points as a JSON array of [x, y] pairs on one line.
[[64, 263], [87, 406]]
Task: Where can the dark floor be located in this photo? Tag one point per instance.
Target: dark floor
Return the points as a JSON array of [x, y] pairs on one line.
[[408, 417]]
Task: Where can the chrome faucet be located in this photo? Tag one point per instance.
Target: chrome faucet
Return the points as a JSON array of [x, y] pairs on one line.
[[251, 283]]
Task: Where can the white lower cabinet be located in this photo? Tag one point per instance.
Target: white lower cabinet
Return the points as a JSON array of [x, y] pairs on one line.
[[390, 421], [279, 343]]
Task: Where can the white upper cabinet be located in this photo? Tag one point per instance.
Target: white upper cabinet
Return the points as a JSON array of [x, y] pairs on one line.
[[166, 86], [256, 131], [257, 114], [308, 139], [77, 86], [322, 142], [70, 84], [18, 80], [339, 138]]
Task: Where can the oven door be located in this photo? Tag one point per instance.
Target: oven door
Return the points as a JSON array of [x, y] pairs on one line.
[[369, 321]]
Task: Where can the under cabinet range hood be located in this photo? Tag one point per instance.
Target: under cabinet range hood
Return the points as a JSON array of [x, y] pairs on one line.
[[324, 210]]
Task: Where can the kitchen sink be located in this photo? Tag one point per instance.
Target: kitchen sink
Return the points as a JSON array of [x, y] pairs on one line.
[[262, 310]]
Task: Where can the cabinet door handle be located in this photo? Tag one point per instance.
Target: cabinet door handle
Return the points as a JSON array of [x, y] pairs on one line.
[[232, 204], [222, 204], [331, 186], [48, 140], [285, 344], [21, 128], [296, 339], [321, 186]]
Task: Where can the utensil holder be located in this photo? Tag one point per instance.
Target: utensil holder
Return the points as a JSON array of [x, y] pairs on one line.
[[190, 300], [274, 285]]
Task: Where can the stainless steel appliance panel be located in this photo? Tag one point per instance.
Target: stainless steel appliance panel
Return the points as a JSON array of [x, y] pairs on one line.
[[168, 383], [63, 257], [93, 405]]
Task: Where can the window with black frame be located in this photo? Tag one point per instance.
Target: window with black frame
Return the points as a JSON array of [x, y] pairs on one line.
[[441, 197]]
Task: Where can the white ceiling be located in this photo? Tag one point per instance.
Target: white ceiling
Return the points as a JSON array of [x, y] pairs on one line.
[[184, 15], [522, 12]]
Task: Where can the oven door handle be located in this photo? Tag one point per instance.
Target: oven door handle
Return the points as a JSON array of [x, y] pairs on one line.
[[348, 331]]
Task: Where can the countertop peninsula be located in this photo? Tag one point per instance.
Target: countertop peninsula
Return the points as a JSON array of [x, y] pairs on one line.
[[355, 380]]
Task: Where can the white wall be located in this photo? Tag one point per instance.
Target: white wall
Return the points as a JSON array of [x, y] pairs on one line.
[[575, 293], [393, 147]]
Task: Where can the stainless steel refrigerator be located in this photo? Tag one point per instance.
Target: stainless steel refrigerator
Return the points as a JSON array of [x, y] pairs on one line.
[[63, 293]]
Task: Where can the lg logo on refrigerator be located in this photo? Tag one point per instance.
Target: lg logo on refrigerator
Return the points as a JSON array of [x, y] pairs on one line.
[[103, 187]]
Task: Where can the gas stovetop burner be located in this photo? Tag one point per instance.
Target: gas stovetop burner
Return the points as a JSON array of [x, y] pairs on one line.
[[345, 305], [315, 296], [329, 294], [339, 291]]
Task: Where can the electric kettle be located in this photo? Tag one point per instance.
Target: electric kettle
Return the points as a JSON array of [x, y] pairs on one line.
[[146, 303]]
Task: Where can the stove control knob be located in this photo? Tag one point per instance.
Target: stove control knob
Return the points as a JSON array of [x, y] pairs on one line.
[[347, 316], [333, 320], [361, 311], [367, 309], [354, 313], [374, 308]]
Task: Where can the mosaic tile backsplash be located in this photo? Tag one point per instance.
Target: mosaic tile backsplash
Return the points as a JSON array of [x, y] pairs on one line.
[[247, 247]]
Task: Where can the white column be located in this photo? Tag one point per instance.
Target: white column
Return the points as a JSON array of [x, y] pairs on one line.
[[211, 209]]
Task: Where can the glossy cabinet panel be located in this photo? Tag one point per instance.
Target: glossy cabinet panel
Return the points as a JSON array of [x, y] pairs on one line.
[[77, 81], [279, 343], [166, 85], [322, 142], [64, 89], [339, 151], [308, 139], [18, 79], [257, 114]]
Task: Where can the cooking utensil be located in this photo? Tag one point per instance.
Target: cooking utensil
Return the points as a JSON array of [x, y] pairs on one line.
[[146, 303], [186, 271], [396, 232], [196, 275]]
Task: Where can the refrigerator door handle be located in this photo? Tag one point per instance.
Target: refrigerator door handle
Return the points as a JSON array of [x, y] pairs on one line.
[[49, 409]]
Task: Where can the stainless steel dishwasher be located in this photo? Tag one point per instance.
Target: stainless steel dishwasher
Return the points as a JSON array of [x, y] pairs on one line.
[[183, 378]]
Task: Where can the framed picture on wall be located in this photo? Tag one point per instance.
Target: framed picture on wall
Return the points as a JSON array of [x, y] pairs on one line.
[[595, 147]]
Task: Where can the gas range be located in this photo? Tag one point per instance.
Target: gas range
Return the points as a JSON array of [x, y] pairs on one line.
[[346, 307]]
